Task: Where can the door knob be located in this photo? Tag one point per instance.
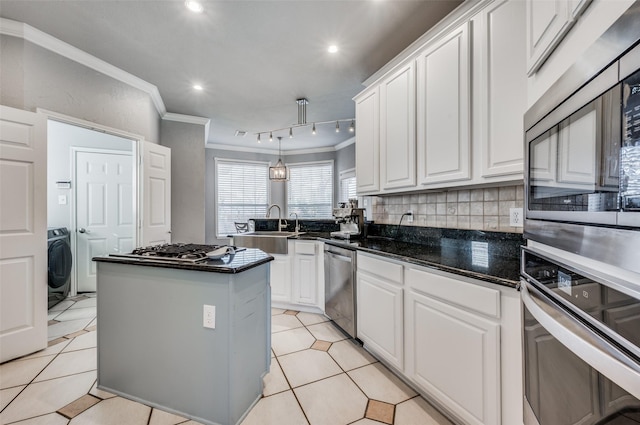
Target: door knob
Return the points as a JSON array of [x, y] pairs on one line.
[[82, 230]]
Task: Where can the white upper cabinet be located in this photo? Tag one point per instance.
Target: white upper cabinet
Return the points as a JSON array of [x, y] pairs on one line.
[[368, 141], [444, 103], [397, 129], [450, 112], [548, 21], [500, 84]]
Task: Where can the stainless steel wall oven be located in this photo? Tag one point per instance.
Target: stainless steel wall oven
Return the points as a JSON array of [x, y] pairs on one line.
[[582, 183], [581, 344], [580, 275]]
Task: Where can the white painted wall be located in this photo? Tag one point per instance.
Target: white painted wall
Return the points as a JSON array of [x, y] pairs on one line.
[[61, 139]]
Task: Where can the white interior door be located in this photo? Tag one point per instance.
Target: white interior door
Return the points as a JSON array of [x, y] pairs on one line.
[[23, 233], [105, 219], [156, 194]]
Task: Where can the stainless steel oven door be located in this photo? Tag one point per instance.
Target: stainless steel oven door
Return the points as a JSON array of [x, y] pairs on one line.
[[572, 374]]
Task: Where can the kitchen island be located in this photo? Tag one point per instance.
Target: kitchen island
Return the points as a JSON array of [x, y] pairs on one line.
[[153, 346]]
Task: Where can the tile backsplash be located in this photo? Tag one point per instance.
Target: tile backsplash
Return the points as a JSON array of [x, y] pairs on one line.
[[477, 209]]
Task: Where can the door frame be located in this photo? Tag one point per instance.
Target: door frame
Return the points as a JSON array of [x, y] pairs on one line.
[[136, 152], [73, 290]]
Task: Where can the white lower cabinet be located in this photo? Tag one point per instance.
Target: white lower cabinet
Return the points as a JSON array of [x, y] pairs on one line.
[[380, 308], [281, 277], [297, 278], [457, 340], [307, 263], [454, 356]]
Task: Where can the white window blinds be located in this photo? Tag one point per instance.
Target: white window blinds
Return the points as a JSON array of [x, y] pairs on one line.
[[310, 189], [347, 186], [242, 193]]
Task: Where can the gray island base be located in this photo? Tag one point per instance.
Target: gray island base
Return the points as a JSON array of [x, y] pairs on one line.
[[153, 347]]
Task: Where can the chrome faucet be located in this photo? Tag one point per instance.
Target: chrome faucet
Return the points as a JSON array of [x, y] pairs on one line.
[[297, 228], [280, 224]]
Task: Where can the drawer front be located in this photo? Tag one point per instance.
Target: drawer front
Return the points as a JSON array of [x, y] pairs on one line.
[[455, 292], [305, 248], [385, 269]]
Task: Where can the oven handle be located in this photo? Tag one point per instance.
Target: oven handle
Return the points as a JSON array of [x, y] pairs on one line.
[[582, 341]]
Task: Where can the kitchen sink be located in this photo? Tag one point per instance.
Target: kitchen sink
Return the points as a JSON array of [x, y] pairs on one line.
[[272, 242], [272, 233]]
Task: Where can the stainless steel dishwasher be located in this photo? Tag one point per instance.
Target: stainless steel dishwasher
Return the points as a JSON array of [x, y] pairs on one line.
[[340, 286]]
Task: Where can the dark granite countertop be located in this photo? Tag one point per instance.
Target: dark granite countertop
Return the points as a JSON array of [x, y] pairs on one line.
[[488, 256], [237, 263], [482, 260]]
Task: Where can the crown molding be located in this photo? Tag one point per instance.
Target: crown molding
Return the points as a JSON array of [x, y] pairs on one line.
[[241, 149], [27, 32], [309, 151], [190, 119], [456, 17], [284, 152], [346, 143]]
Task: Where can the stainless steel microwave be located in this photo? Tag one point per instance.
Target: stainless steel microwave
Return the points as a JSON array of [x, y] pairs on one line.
[[582, 155]]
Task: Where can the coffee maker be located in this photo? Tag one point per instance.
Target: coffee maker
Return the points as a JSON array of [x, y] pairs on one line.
[[351, 220]]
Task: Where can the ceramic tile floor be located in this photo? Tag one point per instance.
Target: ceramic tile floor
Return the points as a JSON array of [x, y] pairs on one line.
[[318, 377]]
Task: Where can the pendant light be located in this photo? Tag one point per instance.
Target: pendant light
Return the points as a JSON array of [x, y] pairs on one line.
[[279, 173]]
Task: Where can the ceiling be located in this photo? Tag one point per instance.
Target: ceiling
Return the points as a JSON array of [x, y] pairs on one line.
[[252, 58]]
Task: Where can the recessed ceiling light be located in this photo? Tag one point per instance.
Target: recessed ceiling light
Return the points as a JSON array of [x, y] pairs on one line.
[[194, 6], [197, 87], [333, 48]]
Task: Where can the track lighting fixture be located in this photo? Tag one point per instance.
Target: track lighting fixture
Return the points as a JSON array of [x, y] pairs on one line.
[[302, 122]]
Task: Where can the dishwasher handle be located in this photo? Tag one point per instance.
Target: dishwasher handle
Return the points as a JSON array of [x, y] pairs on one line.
[[339, 257]]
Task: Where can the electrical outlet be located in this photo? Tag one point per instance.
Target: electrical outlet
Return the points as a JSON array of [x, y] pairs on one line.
[[515, 217], [410, 216], [209, 316]]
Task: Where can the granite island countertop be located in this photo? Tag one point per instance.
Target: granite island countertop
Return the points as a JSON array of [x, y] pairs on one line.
[[237, 263]]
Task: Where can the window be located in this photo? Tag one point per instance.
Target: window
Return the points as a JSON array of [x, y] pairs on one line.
[[347, 185], [242, 190], [310, 189]]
